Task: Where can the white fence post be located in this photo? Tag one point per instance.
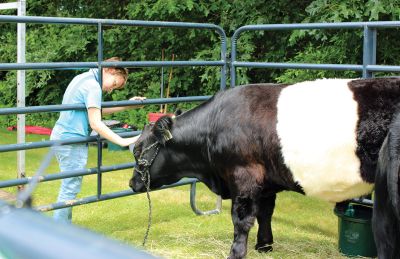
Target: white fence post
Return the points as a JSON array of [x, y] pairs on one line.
[[21, 39]]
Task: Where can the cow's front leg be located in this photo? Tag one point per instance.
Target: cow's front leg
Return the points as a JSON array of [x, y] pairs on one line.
[[244, 210], [265, 239]]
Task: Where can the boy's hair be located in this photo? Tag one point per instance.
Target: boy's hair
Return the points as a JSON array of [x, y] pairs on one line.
[[122, 71]]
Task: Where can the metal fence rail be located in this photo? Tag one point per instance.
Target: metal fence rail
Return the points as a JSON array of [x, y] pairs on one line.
[[100, 23], [113, 195], [66, 107]]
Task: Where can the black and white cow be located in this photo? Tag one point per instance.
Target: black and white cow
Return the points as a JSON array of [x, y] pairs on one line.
[[320, 138]]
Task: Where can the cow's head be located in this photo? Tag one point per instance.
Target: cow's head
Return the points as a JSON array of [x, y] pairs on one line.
[[151, 156]]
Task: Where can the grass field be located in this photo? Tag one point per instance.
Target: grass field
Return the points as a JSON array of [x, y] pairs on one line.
[[303, 227]]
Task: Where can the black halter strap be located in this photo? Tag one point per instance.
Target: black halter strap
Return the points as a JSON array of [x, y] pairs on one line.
[[145, 164]]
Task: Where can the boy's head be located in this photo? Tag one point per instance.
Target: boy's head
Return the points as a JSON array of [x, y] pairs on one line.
[[114, 77]]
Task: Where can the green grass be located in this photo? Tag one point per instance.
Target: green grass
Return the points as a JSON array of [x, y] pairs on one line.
[[303, 227]]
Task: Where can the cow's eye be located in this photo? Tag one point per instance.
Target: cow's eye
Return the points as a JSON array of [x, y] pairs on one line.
[[136, 153]]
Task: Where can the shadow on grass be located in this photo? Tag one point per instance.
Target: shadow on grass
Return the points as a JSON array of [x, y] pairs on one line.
[[306, 227]]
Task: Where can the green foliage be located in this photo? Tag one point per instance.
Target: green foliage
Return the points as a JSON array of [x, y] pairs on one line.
[[342, 46], [73, 43]]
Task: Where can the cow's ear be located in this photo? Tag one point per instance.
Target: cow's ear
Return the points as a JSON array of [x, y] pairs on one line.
[[162, 129], [178, 112]]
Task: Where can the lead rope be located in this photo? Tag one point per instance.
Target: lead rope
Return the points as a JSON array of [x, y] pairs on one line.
[[145, 177], [150, 207]]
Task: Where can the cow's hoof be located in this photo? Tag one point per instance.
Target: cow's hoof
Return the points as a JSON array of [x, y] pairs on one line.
[[264, 248]]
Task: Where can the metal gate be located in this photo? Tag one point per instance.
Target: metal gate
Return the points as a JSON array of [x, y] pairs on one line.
[[99, 170]]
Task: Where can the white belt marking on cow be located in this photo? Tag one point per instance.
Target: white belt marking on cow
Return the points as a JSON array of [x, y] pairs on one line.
[[317, 130]]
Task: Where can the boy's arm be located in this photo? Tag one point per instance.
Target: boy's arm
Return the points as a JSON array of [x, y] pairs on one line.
[[96, 124], [118, 109], [114, 109]]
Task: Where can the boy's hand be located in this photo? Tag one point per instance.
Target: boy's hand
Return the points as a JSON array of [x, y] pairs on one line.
[[137, 98], [128, 141]]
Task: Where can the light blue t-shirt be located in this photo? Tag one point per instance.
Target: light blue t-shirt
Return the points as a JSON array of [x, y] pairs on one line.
[[84, 88]]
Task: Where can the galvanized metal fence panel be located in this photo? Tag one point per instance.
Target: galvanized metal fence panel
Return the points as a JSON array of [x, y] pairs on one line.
[[369, 47], [100, 23]]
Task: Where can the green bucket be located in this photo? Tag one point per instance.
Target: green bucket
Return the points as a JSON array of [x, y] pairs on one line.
[[114, 147], [355, 231]]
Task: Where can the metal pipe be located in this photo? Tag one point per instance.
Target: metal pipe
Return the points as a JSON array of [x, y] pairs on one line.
[[223, 58], [162, 80], [193, 203], [49, 143], [233, 62], [99, 142], [53, 65], [108, 22], [382, 68], [66, 107], [62, 175], [107, 196], [308, 26], [369, 51], [85, 65], [300, 66], [99, 163]]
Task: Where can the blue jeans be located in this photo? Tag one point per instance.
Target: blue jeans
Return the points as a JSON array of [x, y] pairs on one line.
[[69, 157]]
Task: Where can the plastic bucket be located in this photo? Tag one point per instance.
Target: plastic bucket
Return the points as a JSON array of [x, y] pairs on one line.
[[355, 231], [114, 147]]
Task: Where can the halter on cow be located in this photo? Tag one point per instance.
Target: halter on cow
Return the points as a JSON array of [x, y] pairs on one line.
[[319, 138]]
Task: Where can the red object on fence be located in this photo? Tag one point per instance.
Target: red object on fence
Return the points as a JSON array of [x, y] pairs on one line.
[[154, 116], [33, 130]]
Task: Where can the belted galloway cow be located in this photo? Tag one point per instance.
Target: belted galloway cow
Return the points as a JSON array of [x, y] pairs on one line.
[[320, 138]]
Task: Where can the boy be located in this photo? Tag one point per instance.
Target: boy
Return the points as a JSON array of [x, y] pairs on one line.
[[85, 88]]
